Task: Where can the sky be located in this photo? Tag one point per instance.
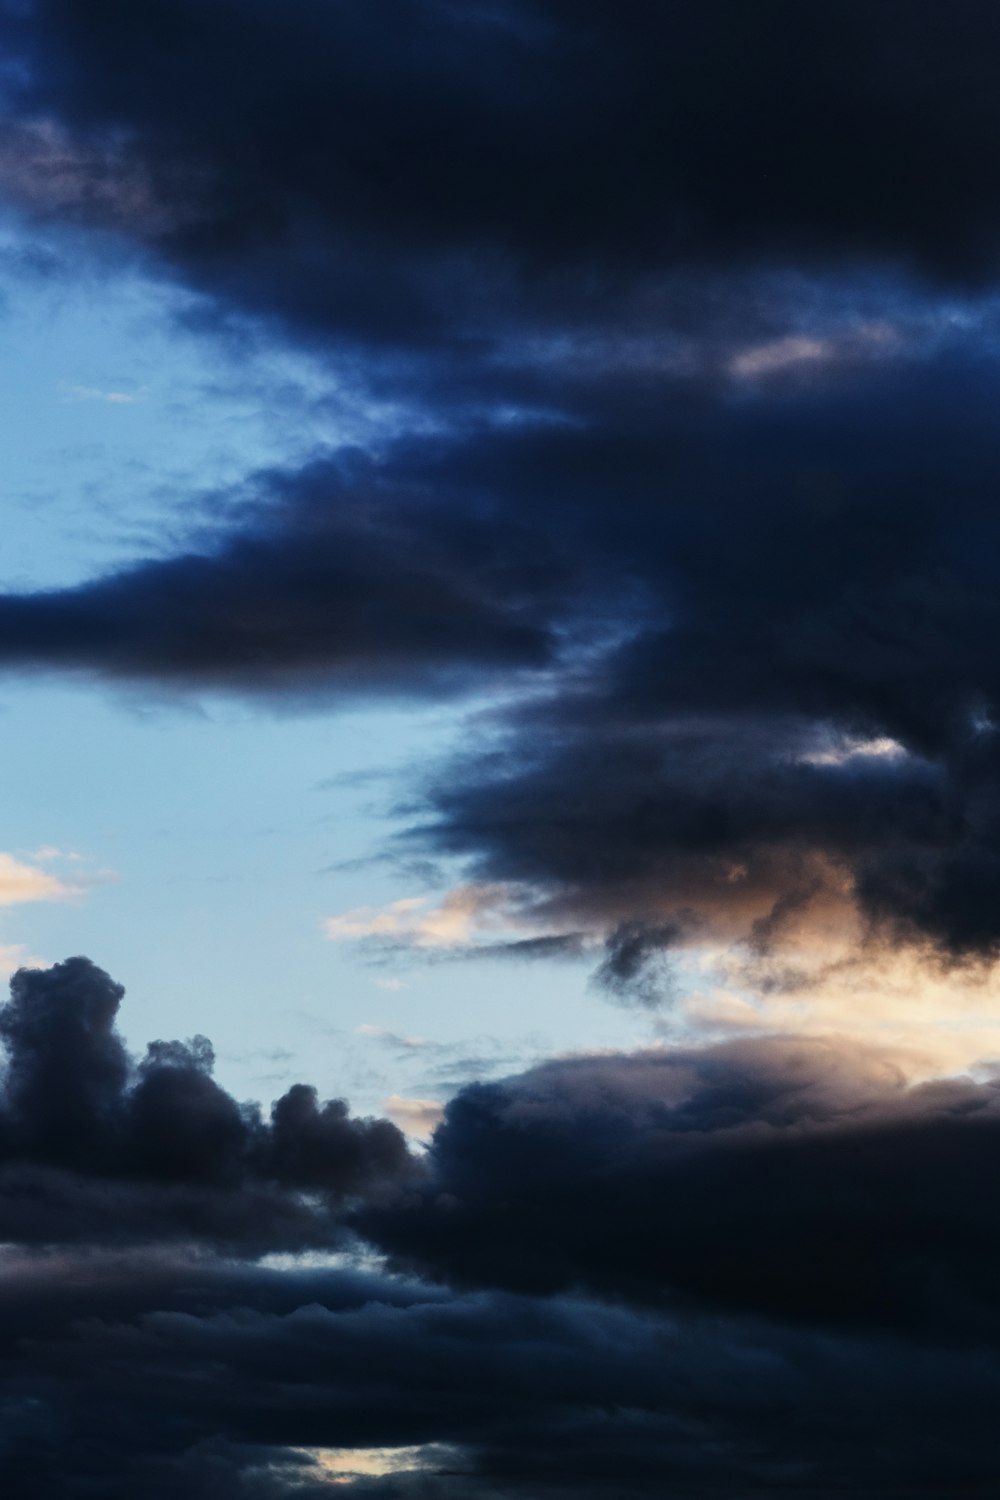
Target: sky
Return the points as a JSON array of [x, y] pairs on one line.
[[499, 713]]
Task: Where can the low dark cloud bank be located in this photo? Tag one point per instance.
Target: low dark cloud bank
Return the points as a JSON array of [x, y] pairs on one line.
[[757, 1266], [789, 1178]]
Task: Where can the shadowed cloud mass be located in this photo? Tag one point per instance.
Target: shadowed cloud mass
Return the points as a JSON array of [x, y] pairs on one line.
[[674, 1267], [98, 1149]]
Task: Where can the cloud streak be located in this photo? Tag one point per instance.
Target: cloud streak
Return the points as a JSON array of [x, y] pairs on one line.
[[21, 882]]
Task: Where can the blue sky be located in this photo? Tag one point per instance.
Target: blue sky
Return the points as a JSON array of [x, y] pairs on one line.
[[209, 834]]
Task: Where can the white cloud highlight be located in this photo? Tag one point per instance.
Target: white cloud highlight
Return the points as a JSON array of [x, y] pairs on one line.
[[418, 1118]]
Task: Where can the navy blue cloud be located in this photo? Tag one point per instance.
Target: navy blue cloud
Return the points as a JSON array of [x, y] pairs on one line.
[[790, 1179], [98, 1149]]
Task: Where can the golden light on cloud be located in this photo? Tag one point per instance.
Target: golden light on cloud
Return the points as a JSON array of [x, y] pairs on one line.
[[415, 1117], [934, 1019], [20, 882], [460, 916], [342, 1466]]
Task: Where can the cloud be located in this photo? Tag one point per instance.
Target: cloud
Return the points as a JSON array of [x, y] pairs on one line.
[[820, 979], [711, 1269], [684, 318], [341, 582], [95, 1148], [459, 920], [577, 206], [48, 171], [346, 1464], [95, 393], [417, 1117], [633, 968], [21, 882], [782, 354], [605, 492], [803, 1180], [802, 694], [15, 956], [225, 1379], [798, 352], [392, 1038]]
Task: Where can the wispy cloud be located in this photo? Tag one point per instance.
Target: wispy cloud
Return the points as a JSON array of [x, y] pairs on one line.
[[461, 916], [97, 393], [17, 956], [48, 852], [21, 882], [392, 1038], [800, 350]]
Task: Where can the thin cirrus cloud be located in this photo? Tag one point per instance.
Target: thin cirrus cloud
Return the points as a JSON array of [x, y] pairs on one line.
[[96, 393]]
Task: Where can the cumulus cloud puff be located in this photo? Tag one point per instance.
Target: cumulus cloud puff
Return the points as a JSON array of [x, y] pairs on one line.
[[96, 1148]]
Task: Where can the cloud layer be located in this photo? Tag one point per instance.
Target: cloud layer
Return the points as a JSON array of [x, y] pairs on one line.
[[766, 1264], [791, 1179]]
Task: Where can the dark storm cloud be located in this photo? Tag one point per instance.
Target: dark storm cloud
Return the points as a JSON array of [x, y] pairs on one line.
[[213, 1381], [673, 288], [728, 592], [343, 578], [96, 1149], [804, 708], [794, 1179], [810, 1245], [429, 171]]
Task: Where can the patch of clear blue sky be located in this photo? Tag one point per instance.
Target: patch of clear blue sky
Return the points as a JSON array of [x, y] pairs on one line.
[[120, 417], [221, 832], [218, 820]]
